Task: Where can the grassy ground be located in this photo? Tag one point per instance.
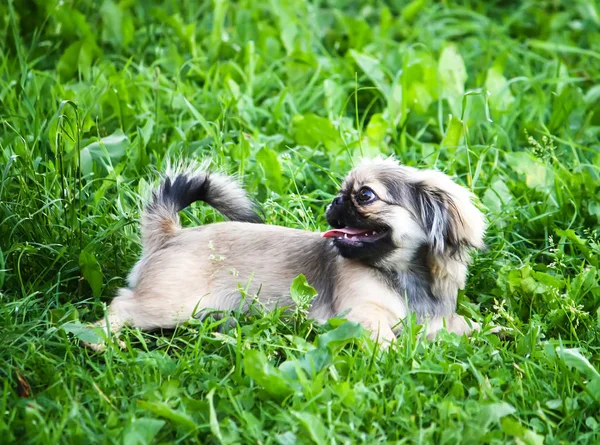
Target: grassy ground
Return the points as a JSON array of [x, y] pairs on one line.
[[93, 94]]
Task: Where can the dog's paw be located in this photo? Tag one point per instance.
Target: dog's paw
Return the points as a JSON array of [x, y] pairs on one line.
[[96, 347], [101, 347]]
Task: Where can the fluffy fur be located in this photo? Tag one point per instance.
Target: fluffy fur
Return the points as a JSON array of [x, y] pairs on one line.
[[400, 244]]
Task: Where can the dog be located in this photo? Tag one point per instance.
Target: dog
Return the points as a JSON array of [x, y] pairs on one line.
[[399, 243]]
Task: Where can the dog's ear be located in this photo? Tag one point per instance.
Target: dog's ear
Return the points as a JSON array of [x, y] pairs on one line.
[[453, 225], [448, 215]]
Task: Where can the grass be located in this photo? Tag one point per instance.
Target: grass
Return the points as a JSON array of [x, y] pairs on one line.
[[502, 95]]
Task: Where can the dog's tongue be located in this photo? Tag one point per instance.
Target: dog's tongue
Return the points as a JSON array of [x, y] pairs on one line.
[[336, 233]]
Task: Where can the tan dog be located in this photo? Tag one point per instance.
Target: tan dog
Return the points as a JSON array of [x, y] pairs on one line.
[[400, 244]]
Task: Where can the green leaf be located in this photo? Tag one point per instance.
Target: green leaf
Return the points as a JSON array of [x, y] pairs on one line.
[[186, 33], [538, 175], [171, 389], [525, 279], [493, 412], [108, 150], [199, 117], [419, 97], [594, 387], [592, 96], [83, 332], [108, 182], [146, 131], [586, 282], [497, 197], [567, 108], [571, 236], [91, 270], [269, 162], [214, 421], [313, 425], [454, 134], [531, 438], [340, 336], [554, 47], [160, 360], [334, 95], [163, 410], [373, 141], [581, 244], [142, 431], [548, 280], [313, 362], [301, 292], [312, 130], [2, 269], [521, 434], [512, 427], [287, 23], [594, 209], [218, 24], [411, 10], [287, 438], [63, 314], [258, 368], [372, 68], [62, 131], [377, 129], [501, 97], [69, 61], [87, 54], [574, 359], [73, 23], [453, 75], [118, 26], [419, 80]]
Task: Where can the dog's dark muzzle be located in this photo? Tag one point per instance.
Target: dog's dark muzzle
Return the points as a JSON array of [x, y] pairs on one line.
[[336, 211]]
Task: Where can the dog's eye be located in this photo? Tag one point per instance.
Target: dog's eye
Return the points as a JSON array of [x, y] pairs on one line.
[[365, 195]]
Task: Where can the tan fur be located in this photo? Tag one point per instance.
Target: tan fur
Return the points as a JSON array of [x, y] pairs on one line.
[[157, 228], [448, 275], [368, 301], [202, 269], [472, 222]]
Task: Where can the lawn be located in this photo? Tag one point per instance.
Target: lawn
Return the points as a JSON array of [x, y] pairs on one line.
[[288, 95]]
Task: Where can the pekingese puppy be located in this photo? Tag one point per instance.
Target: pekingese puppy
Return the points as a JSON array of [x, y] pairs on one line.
[[399, 244]]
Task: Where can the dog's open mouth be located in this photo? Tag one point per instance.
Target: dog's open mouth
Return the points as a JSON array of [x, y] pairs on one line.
[[354, 235]]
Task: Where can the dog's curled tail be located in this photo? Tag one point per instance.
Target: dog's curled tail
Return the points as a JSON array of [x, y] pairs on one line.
[[160, 219]]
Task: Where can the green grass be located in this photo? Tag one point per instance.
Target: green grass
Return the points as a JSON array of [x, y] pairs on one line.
[[94, 95]]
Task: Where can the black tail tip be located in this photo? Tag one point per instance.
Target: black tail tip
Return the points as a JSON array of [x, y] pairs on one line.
[[254, 217], [184, 189]]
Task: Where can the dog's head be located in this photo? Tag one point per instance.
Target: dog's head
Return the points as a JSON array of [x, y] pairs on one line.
[[386, 212]]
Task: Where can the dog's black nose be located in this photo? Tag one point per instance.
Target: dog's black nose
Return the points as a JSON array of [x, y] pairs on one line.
[[334, 212]]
